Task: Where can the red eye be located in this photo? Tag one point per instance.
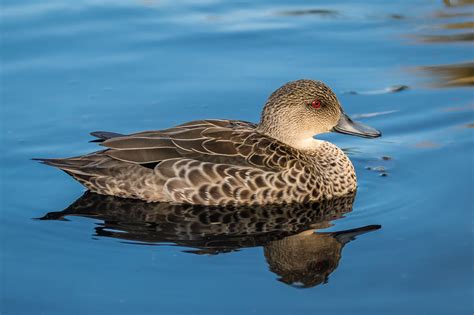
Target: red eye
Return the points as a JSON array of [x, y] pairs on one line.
[[315, 104]]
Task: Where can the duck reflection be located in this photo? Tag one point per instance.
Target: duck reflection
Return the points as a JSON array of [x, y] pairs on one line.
[[306, 259], [300, 256]]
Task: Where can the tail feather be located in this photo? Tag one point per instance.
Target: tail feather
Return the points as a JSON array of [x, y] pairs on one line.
[[68, 162], [104, 135], [70, 165], [93, 171], [91, 165]]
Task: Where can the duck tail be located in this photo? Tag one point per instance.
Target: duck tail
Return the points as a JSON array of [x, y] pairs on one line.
[[61, 163], [75, 167], [104, 135]]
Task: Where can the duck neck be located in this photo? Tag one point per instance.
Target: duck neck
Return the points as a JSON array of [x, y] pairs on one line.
[[293, 138]]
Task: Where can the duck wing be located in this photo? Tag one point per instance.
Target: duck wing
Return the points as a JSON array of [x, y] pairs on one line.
[[230, 142], [208, 162]]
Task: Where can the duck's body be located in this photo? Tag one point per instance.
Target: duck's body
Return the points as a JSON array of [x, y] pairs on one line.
[[222, 162], [212, 162]]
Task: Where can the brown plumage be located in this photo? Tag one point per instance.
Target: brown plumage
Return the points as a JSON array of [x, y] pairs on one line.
[[223, 162]]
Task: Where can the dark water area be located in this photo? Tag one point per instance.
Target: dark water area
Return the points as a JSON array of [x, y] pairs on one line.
[[402, 245]]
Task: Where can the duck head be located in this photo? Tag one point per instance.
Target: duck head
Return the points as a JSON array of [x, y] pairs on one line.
[[301, 109]]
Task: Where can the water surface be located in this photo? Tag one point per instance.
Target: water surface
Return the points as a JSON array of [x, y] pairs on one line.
[[125, 66]]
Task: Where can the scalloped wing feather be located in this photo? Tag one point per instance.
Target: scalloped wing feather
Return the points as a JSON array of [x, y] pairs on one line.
[[220, 141], [202, 162]]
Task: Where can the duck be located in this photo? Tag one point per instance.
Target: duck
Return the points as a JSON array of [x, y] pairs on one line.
[[230, 162]]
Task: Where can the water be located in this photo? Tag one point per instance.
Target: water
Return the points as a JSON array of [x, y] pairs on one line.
[[71, 68]]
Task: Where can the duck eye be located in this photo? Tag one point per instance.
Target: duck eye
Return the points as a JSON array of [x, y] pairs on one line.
[[315, 104]]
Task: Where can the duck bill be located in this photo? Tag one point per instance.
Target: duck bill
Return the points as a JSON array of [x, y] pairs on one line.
[[349, 127]]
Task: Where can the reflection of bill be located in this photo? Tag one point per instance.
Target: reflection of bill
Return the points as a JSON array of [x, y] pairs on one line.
[[300, 256]]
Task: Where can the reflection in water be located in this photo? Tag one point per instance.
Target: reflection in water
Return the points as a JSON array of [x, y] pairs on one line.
[[320, 12], [455, 3], [292, 249], [451, 27], [308, 258], [390, 89], [445, 14], [452, 75], [457, 26], [463, 37]]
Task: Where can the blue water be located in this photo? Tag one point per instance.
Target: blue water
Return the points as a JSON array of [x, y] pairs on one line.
[[131, 65]]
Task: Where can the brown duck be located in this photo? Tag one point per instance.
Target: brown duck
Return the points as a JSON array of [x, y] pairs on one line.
[[229, 162]]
